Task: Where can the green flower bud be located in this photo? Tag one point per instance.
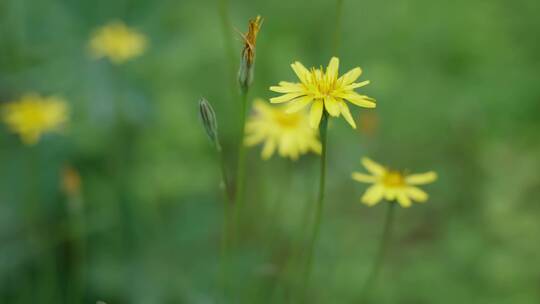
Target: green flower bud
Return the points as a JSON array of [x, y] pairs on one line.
[[208, 117]]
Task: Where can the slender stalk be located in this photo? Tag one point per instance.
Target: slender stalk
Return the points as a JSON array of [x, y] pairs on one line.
[[226, 235], [241, 162], [225, 247], [224, 179], [77, 235], [319, 207], [385, 238]]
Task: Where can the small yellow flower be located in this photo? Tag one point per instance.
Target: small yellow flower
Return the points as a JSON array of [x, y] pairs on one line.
[[392, 185], [324, 90], [290, 134], [118, 42], [33, 115]]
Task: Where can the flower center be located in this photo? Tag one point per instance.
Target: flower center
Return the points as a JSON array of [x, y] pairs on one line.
[[288, 121], [324, 86], [393, 179]]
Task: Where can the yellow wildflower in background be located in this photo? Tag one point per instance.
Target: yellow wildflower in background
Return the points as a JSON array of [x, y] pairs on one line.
[[290, 134], [392, 185], [323, 90], [33, 115], [117, 42]]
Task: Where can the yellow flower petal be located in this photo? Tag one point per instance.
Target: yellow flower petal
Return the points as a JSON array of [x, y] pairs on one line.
[[268, 149], [332, 106], [373, 195], [253, 139], [332, 69], [298, 104], [421, 179], [350, 76], [316, 146], [403, 199], [286, 97], [315, 114], [287, 87], [359, 100], [373, 167], [390, 194], [417, 194], [353, 86], [300, 71], [347, 114], [363, 178]]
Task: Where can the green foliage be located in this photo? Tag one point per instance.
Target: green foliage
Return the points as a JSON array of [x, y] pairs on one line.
[[457, 90]]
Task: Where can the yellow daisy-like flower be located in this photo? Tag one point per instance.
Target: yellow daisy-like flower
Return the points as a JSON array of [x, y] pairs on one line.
[[33, 115], [117, 42], [290, 134], [392, 185], [324, 90]]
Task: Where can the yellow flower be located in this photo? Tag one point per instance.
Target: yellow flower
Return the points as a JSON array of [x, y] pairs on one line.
[[290, 134], [34, 115], [118, 42], [392, 185], [324, 90]]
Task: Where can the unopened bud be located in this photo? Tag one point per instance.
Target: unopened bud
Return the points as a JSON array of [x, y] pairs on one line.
[[245, 73], [247, 62], [71, 182], [208, 117]]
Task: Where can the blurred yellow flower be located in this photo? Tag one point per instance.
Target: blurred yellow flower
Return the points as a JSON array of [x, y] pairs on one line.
[[324, 90], [392, 185], [33, 115], [290, 134], [118, 42]]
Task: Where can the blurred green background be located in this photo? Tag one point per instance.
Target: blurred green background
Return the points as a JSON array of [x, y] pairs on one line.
[[457, 90]]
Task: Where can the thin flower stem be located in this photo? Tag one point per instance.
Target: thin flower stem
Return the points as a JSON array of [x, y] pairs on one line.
[[383, 246], [319, 207], [226, 184], [226, 235], [241, 162]]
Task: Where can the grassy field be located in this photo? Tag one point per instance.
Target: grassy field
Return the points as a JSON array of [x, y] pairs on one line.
[[122, 203]]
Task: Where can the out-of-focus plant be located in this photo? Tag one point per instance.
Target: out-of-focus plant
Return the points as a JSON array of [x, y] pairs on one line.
[[289, 134], [327, 93], [34, 115], [245, 80], [117, 42], [395, 187]]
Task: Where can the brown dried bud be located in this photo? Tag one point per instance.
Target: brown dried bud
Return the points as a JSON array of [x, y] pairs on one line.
[[247, 61]]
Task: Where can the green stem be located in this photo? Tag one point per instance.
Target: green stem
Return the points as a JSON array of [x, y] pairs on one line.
[[224, 179], [385, 238], [226, 235], [319, 207], [337, 33], [241, 162], [77, 235]]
